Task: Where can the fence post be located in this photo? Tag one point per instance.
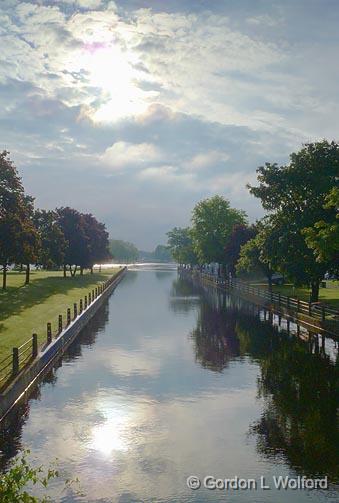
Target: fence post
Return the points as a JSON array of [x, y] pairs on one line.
[[75, 310], [310, 309], [279, 298], [80, 309], [288, 302], [323, 313], [96, 292], [298, 305], [49, 333], [15, 369], [85, 301], [68, 316], [35, 345], [93, 295], [89, 298], [60, 324]]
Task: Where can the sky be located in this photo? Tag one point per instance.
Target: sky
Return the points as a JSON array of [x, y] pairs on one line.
[[135, 110]]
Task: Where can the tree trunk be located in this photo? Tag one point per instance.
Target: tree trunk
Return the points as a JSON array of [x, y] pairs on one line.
[[28, 270], [315, 291], [4, 276], [21, 267], [91, 269], [81, 271], [65, 272]]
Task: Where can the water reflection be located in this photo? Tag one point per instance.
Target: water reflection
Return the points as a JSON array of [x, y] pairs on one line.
[[173, 379]]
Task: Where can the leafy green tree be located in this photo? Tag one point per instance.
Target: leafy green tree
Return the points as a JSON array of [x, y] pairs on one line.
[[323, 237], [72, 225], [97, 242], [180, 243], [239, 236], [213, 221], [18, 237], [123, 250], [52, 240], [162, 253], [295, 195]]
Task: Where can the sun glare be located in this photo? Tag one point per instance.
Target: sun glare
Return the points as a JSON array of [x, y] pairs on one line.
[[111, 435], [115, 75]]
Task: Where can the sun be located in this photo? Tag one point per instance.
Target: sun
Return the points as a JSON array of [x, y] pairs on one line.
[[113, 80]]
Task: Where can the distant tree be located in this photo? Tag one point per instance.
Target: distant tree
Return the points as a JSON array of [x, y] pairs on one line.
[[123, 250], [180, 244], [28, 239], [213, 220], [323, 237], [72, 225], [97, 242], [162, 253], [239, 236], [295, 197], [52, 240]]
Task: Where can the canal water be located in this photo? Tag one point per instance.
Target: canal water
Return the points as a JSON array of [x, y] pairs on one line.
[[171, 380]]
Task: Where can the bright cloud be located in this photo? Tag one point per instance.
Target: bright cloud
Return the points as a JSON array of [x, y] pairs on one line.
[[122, 154]]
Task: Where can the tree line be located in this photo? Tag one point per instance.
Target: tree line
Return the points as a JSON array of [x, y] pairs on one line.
[[63, 237], [298, 235]]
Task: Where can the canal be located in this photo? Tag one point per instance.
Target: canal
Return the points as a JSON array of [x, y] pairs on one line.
[[171, 380]]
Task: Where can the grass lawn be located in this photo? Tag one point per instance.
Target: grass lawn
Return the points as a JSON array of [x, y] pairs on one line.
[[328, 295], [25, 310]]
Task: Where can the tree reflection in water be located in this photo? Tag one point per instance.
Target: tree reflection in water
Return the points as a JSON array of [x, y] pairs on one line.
[[299, 387]]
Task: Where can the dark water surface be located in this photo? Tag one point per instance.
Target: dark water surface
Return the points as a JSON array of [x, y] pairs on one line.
[[170, 381]]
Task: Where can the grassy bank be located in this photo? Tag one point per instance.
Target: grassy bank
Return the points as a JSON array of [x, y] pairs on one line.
[[25, 310], [328, 295]]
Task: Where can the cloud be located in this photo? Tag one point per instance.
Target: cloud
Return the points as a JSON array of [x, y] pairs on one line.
[[123, 154]]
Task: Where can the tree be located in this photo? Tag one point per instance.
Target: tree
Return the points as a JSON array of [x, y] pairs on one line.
[[323, 237], [162, 253], [239, 236], [180, 244], [213, 220], [52, 240], [97, 242], [72, 225], [123, 250], [295, 196], [18, 237]]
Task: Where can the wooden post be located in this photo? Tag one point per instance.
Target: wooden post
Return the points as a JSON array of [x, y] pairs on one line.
[[93, 295], [288, 326], [15, 369], [49, 333], [96, 292], [75, 310], [309, 309], [68, 316], [279, 298], [60, 324], [35, 345], [89, 298], [85, 301], [288, 302], [81, 306], [323, 313], [298, 330]]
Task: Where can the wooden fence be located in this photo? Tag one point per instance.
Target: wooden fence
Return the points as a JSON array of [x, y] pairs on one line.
[[315, 310], [23, 355]]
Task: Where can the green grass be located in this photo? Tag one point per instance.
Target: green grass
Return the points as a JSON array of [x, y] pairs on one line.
[[25, 310], [329, 295]]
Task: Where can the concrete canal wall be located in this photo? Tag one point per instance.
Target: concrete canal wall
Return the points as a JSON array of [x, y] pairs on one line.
[[23, 384]]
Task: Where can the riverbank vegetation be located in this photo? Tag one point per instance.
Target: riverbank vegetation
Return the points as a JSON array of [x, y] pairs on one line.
[[298, 236], [26, 309], [62, 238]]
